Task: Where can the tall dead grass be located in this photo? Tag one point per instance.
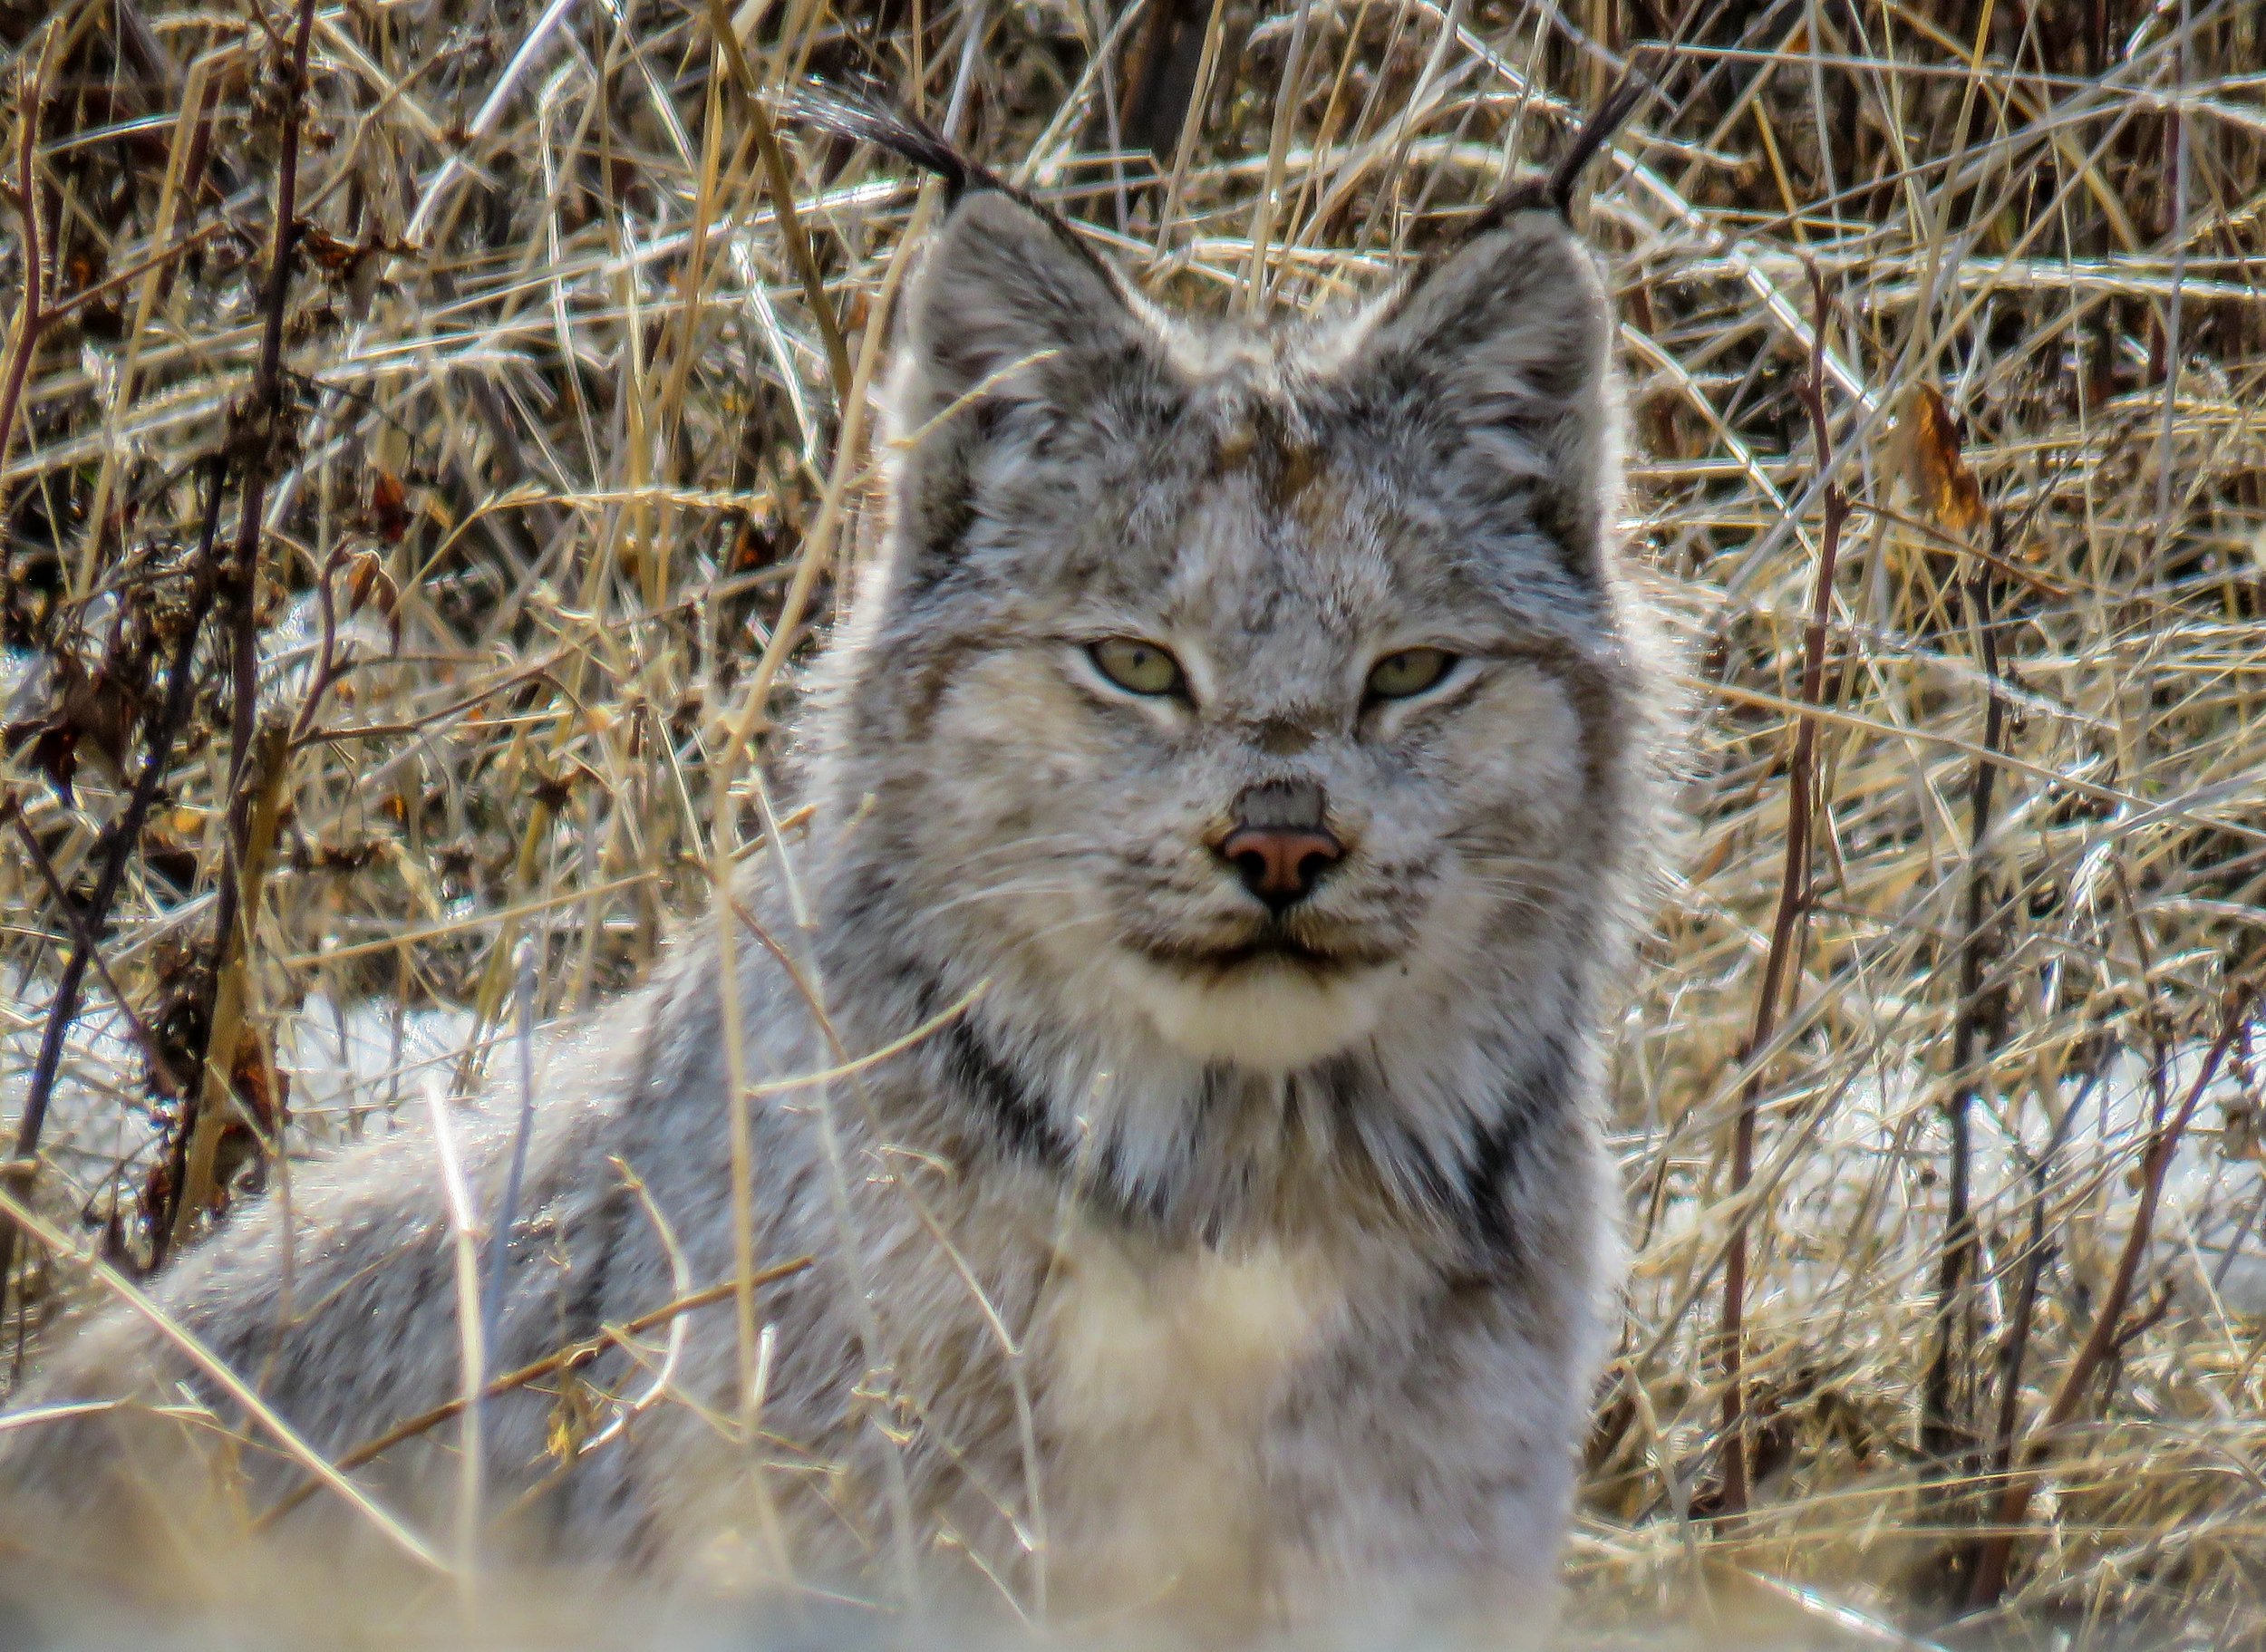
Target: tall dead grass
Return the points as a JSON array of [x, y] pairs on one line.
[[467, 545]]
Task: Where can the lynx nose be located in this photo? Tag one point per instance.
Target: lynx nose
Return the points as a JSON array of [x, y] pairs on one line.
[[1279, 846]]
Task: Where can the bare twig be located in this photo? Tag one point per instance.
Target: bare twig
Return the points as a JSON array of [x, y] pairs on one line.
[[81, 936], [331, 662], [262, 447], [1793, 892], [551, 1365], [2108, 1332], [749, 100], [1942, 1432], [124, 838]]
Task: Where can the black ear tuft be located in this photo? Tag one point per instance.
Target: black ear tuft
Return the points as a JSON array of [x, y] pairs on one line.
[[874, 119], [1596, 131], [1008, 308], [1554, 192], [870, 119]]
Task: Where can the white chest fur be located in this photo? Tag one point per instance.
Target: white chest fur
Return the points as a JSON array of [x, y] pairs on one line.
[[1159, 1372]]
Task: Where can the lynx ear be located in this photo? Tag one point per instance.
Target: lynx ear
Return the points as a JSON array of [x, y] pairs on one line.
[[1008, 308], [1501, 353], [1012, 330]]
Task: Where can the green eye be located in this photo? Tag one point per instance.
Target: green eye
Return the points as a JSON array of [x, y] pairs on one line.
[[1138, 667], [1411, 672]]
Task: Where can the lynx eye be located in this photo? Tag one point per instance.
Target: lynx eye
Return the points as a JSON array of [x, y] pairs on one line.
[[1409, 672], [1138, 667]]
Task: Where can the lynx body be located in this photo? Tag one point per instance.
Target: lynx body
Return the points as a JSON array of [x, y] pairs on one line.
[[1239, 758]]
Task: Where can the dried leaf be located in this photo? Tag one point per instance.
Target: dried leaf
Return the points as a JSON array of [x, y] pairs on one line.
[[367, 580], [1935, 465], [390, 515], [262, 1085], [54, 752], [86, 713], [574, 1417], [327, 249]]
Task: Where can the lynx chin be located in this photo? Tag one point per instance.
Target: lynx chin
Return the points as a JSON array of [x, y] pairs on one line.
[[1238, 767]]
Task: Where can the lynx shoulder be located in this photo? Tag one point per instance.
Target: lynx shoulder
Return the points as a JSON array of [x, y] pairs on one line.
[[1229, 791]]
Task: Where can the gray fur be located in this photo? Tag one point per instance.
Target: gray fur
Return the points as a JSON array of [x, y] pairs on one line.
[[1304, 1255]]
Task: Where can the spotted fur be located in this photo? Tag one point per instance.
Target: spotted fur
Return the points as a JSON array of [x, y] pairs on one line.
[[1245, 1266]]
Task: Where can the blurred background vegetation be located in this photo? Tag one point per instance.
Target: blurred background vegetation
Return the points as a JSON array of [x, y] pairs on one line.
[[418, 418]]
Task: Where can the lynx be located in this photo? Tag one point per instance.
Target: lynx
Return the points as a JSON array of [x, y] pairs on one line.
[[1171, 1031]]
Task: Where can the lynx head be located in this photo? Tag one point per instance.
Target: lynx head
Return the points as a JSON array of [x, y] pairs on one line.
[[1243, 684]]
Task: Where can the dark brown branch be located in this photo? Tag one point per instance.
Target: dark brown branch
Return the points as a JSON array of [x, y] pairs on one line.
[[2018, 1340], [1940, 1433], [2108, 1334], [81, 936], [2015, 1350], [123, 837], [261, 447], [330, 663], [1949, 1444], [1793, 895]]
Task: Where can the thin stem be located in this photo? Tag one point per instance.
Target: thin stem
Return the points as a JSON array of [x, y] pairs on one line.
[[2108, 1333], [263, 445], [1793, 895], [124, 838], [31, 317]]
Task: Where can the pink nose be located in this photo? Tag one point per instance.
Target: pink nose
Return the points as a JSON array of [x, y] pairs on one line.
[[1281, 865]]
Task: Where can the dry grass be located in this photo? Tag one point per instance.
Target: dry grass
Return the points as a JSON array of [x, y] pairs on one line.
[[555, 422]]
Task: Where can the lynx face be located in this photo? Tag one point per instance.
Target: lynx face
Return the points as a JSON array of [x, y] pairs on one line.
[[1243, 682]]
